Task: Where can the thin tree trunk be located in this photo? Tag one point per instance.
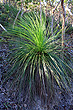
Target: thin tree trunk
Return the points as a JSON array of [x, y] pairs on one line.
[[9, 2], [6, 1], [50, 4], [15, 3], [53, 16], [67, 9], [22, 4], [3, 1], [16, 17], [63, 23], [22, 8], [59, 15], [56, 6], [52, 23], [40, 11]]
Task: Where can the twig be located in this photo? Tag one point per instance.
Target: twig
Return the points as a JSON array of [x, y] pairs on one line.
[[67, 9], [56, 6], [53, 17], [3, 27], [16, 17], [51, 4], [24, 12]]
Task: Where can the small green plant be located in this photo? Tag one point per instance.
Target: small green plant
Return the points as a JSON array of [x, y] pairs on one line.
[[36, 60]]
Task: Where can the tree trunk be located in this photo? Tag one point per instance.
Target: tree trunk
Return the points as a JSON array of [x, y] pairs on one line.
[[63, 23]]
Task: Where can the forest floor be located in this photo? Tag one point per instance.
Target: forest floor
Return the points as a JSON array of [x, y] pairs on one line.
[[62, 100]]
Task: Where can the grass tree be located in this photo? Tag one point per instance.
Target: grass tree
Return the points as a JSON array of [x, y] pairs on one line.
[[35, 58]]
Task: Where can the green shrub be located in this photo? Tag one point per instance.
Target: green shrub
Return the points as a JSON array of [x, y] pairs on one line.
[[35, 59]]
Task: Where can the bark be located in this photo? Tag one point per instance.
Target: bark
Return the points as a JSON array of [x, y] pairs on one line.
[[63, 23]]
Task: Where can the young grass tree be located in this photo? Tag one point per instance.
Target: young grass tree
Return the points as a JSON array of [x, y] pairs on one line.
[[35, 58]]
